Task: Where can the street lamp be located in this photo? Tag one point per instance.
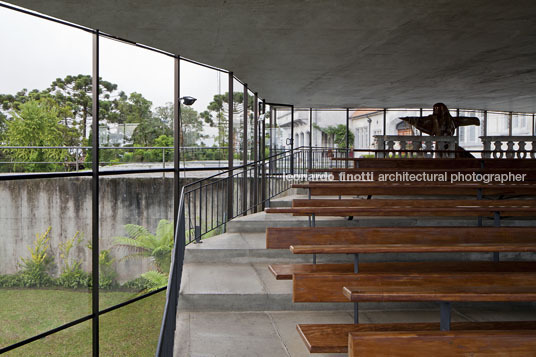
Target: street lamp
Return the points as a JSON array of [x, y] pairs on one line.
[[187, 100]]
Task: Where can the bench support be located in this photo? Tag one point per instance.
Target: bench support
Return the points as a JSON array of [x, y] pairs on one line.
[[356, 263], [314, 258], [356, 313], [445, 314], [496, 223], [479, 197]]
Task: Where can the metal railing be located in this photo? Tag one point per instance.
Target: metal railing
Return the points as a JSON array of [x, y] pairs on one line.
[[208, 204], [76, 157]]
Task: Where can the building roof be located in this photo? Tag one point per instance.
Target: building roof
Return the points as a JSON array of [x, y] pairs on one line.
[[316, 53]]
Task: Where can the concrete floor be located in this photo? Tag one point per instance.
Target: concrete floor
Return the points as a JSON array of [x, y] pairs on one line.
[[274, 334], [231, 304]]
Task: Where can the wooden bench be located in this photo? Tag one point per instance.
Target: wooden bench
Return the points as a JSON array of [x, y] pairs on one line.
[[413, 203], [285, 271], [520, 343], [284, 237], [496, 286], [338, 188], [476, 210], [333, 338], [439, 163], [376, 174]]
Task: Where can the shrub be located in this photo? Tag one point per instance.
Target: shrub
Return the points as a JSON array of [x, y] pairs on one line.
[[74, 278], [138, 284], [155, 280], [72, 275], [35, 270], [11, 281], [144, 244], [107, 273]]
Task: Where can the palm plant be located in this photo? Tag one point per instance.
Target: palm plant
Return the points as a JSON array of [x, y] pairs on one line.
[[144, 244]]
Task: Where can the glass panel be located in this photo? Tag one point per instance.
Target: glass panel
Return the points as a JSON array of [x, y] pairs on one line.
[[45, 269], [205, 123], [45, 262], [136, 106], [40, 94], [497, 123], [238, 121], [136, 229], [132, 330], [73, 341]]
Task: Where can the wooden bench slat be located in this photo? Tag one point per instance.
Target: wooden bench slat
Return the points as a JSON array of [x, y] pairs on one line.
[[472, 287], [459, 211], [333, 338], [415, 188], [329, 287], [284, 237], [345, 203], [520, 343], [439, 163], [412, 248], [285, 271], [378, 174]]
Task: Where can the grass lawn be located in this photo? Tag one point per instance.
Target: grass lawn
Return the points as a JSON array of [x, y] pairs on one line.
[[129, 331]]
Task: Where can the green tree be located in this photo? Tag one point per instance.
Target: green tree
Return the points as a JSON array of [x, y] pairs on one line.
[[143, 244], [132, 109], [148, 130], [75, 94], [217, 114], [36, 123], [191, 123], [339, 134]]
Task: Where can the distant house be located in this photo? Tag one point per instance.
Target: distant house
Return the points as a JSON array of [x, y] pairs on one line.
[[116, 134]]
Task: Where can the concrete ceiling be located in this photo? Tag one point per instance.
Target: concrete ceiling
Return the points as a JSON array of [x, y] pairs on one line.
[[340, 53]]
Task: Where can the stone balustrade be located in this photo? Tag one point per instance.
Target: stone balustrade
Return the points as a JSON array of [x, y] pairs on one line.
[[509, 147], [415, 146]]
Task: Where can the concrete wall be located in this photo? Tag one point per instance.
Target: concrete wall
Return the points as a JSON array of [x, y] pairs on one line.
[[28, 207]]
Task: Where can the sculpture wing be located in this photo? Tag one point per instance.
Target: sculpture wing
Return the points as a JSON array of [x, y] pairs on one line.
[[424, 124], [465, 121]]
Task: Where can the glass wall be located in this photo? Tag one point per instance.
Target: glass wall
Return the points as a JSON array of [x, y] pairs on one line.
[[45, 260], [204, 125], [45, 94]]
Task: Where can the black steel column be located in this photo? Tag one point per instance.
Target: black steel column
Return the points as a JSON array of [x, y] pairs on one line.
[[255, 152], [347, 136], [485, 122], [95, 196], [263, 155], [230, 148], [292, 140], [384, 121], [176, 140], [510, 124], [245, 153], [310, 138], [457, 131]]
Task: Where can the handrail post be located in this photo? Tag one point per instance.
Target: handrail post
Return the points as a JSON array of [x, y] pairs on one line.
[[245, 153], [255, 153], [230, 148], [263, 155], [292, 140]]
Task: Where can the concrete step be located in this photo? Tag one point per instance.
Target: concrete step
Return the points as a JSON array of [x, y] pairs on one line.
[[250, 248], [274, 334], [251, 287], [258, 222], [240, 248]]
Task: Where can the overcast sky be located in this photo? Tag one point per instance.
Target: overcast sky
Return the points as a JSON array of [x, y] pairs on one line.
[[35, 52]]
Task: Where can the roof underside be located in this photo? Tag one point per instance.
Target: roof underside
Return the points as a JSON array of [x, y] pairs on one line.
[[340, 53]]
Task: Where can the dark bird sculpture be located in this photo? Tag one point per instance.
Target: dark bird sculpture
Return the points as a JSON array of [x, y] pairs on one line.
[[440, 122]]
